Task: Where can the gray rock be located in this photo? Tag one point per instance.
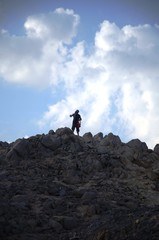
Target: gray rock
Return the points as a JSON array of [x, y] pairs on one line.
[[19, 150], [111, 140], [137, 145], [70, 223], [98, 137], [156, 149], [51, 142], [88, 137], [51, 132], [63, 131], [63, 186]]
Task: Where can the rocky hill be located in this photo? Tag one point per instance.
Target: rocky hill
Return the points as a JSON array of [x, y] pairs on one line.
[[59, 186]]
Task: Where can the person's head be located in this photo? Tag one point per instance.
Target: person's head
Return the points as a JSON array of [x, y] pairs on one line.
[[77, 111]]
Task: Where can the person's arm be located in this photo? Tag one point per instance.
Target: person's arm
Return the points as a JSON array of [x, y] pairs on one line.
[[79, 118]]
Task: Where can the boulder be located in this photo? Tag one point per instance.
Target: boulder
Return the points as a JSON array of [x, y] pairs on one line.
[[111, 141], [98, 137], [137, 145], [156, 148], [88, 137], [51, 142], [20, 149]]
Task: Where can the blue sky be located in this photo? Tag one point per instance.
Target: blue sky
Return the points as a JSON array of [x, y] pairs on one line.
[[98, 56]]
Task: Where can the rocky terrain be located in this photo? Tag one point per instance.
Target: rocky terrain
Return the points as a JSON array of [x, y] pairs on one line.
[[59, 186]]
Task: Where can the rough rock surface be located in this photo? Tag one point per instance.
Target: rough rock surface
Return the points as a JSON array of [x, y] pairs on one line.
[[59, 186]]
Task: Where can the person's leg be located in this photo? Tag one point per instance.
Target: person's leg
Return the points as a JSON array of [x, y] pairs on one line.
[[73, 127], [77, 130]]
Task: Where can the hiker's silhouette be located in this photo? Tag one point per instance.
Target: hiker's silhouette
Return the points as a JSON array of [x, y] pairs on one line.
[[76, 123]]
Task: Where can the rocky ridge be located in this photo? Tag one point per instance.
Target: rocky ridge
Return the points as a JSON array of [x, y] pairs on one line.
[[59, 186]]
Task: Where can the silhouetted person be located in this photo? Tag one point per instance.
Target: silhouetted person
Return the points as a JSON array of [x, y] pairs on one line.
[[76, 123]]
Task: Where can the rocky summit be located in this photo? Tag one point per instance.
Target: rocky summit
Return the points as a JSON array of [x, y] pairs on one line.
[[59, 186]]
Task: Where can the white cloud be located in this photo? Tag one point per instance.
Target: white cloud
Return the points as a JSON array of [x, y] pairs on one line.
[[33, 59], [114, 84], [59, 25]]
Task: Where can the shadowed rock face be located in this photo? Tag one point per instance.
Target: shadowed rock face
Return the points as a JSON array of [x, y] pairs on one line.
[[64, 187]]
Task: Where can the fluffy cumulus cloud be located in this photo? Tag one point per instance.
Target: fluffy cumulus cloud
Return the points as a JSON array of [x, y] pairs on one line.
[[33, 59], [114, 84]]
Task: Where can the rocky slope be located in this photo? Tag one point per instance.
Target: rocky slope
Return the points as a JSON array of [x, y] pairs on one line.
[[59, 186]]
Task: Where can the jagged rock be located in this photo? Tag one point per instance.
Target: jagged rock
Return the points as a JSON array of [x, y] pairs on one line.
[[56, 226], [69, 223], [111, 140], [4, 144], [63, 131], [98, 136], [51, 142], [137, 145], [51, 132], [88, 137], [156, 149], [62, 186], [19, 149], [108, 144]]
